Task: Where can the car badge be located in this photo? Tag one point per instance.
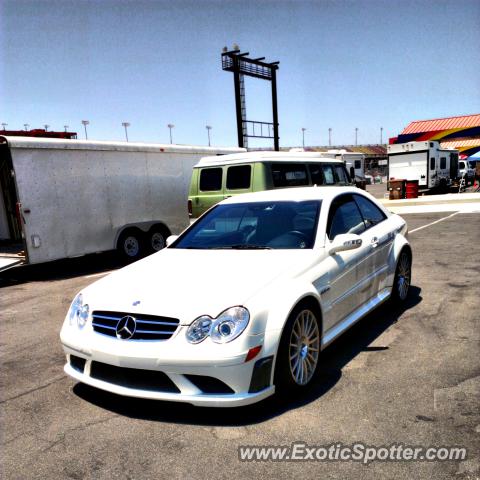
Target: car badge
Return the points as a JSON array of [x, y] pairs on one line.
[[126, 327], [137, 302]]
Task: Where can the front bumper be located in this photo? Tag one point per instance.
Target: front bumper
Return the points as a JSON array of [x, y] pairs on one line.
[[188, 392], [183, 367]]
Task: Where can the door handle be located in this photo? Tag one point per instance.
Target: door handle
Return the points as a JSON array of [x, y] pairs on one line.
[[374, 242]]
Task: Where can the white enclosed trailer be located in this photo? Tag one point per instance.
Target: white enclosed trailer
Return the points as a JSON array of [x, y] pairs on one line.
[[425, 161], [66, 198]]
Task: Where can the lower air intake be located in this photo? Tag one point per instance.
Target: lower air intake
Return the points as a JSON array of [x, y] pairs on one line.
[[133, 378]]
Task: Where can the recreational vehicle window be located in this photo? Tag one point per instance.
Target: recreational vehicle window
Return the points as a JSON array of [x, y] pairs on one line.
[[443, 162], [432, 163]]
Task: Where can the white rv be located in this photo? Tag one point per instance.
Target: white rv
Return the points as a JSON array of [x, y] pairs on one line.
[[66, 198], [426, 162], [354, 161]]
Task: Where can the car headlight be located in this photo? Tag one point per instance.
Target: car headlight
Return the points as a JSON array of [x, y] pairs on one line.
[[229, 324], [199, 329], [79, 311], [225, 328]]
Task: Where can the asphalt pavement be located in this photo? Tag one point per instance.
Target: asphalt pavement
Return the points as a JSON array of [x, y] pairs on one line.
[[408, 376]]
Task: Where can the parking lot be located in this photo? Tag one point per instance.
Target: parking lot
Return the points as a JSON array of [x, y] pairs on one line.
[[399, 376]]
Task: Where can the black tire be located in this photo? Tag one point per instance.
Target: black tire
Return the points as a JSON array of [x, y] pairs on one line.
[[130, 245], [156, 239], [403, 277], [297, 350]]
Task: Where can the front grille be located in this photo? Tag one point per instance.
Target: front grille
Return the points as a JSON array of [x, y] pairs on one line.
[[148, 327], [133, 378]]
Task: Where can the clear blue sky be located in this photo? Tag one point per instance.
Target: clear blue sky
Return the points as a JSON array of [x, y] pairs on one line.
[[343, 64]]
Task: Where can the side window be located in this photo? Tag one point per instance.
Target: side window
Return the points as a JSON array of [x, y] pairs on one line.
[[239, 177], [316, 174], [432, 163], [341, 175], [443, 163], [289, 174], [211, 179], [372, 215], [358, 164], [328, 174], [344, 217]]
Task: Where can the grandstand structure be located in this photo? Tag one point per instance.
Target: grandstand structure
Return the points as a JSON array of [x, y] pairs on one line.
[[39, 132]]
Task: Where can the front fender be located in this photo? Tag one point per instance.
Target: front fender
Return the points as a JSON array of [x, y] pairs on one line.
[[399, 244], [274, 308]]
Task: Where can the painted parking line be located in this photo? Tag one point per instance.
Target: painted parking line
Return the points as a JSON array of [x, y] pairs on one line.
[[98, 274], [433, 223]]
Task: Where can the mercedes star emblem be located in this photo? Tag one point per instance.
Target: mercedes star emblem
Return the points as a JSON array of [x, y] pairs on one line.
[[126, 327]]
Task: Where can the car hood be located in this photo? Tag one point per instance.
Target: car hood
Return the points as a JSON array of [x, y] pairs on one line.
[[185, 284]]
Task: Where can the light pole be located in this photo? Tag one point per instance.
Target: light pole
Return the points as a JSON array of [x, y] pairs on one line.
[[381, 135], [26, 125], [208, 127], [170, 126], [4, 125], [46, 127], [126, 125], [303, 136], [66, 128], [85, 123], [329, 137], [356, 136]]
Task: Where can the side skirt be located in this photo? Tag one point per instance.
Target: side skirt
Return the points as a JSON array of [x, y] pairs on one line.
[[355, 316]]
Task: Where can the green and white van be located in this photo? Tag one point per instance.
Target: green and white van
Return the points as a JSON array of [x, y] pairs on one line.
[[219, 177]]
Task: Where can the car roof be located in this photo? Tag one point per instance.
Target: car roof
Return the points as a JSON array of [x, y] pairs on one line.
[[265, 156], [295, 194]]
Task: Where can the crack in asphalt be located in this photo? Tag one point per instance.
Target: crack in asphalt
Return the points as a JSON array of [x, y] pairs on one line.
[[41, 387], [83, 426]]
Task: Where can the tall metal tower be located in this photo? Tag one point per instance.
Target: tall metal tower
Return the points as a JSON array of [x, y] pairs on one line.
[[241, 65]]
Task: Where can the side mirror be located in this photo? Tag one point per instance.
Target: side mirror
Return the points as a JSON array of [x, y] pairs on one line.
[[344, 241], [352, 173], [171, 239]]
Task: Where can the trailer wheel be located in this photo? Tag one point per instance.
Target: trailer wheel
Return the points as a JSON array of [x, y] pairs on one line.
[[157, 238], [130, 244]]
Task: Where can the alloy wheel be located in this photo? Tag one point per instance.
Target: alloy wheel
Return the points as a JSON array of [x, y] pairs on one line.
[[304, 347], [404, 276]]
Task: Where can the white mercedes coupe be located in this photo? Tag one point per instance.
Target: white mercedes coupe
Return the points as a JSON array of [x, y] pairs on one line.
[[243, 301]]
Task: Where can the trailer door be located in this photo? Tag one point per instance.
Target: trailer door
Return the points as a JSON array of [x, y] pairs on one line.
[[453, 166], [11, 242]]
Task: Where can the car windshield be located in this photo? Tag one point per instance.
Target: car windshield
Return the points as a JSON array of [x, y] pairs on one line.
[[251, 226]]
